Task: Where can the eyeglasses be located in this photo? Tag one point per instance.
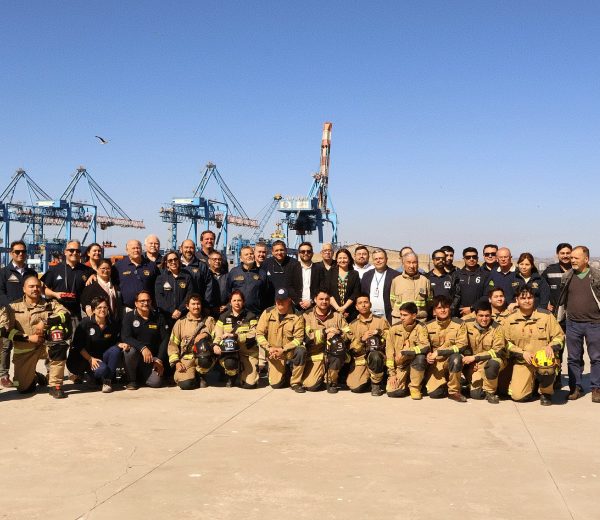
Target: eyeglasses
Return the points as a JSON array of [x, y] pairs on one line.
[[18, 251], [489, 254], [471, 257], [305, 252], [73, 251]]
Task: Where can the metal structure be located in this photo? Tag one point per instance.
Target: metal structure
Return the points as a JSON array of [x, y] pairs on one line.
[[263, 218], [304, 215], [67, 213], [210, 212]]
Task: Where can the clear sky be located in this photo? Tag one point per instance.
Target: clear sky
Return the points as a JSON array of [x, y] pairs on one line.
[[453, 122]]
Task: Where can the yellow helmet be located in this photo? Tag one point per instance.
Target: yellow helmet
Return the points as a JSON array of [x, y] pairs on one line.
[[541, 360]]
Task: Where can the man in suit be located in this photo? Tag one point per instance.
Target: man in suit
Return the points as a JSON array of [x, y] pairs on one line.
[[377, 282], [307, 275]]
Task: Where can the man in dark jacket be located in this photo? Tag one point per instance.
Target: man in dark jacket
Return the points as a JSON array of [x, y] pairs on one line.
[[247, 278], [504, 276], [279, 271], [377, 282], [307, 275], [472, 282], [443, 281], [580, 299], [554, 273], [199, 270]]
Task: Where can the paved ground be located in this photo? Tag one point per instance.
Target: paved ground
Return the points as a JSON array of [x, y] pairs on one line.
[[229, 453]]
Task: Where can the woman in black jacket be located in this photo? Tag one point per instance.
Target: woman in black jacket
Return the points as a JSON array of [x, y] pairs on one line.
[[528, 275], [172, 288], [96, 347], [342, 282], [103, 287]]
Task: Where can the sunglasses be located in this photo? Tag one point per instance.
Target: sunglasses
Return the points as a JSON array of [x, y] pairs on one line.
[[471, 257], [305, 251], [73, 251], [489, 254], [18, 251]]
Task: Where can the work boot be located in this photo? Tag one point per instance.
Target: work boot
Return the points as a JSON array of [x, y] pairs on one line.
[[595, 395], [299, 389], [332, 388], [459, 398], [132, 385], [576, 394], [545, 400], [57, 392], [203, 383], [376, 390], [492, 398], [107, 386], [41, 379], [5, 382], [416, 394]]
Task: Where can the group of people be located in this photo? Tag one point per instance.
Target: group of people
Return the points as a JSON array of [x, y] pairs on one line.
[[483, 330]]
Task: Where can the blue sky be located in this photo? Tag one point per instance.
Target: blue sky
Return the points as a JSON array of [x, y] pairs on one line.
[[453, 122]]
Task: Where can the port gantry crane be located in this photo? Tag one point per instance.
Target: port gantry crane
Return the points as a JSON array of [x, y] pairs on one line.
[[42, 210], [209, 212], [304, 215]]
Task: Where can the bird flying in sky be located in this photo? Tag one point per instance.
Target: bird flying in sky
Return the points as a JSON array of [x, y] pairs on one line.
[[101, 139]]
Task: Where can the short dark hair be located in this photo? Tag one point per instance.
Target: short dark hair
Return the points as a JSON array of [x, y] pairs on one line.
[[324, 291], [441, 300], [143, 291], [193, 296], [470, 249], [278, 243], [560, 246], [31, 275], [447, 249], [524, 289], [306, 244], [207, 231], [437, 251], [482, 306], [97, 301], [239, 293], [492, 290], [164, 263], [363, 295], [490, 245], [361, 248], [409, 307], [17, 243]]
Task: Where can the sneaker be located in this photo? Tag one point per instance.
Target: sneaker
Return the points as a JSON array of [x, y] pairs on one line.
[[376, 390], [492, 398], [459, 398], [545, 400], [132, 385], [203, 383], [6, 382], [107, 386], [41, 379], [416, 394], [332, 388], [299, 389], [57, 392]]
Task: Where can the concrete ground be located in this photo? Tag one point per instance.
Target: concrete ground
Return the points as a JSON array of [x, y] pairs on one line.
[[221, 453]]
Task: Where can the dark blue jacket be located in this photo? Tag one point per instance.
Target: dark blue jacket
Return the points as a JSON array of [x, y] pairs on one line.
[[251, 282], [11, 283], [133, 279], [541, 289], [507, 282]]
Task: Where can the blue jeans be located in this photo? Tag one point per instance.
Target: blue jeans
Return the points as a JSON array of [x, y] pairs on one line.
[[576, 333], [109, 364]]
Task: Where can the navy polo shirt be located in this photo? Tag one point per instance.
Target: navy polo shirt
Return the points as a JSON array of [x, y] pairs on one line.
[[135, 278]]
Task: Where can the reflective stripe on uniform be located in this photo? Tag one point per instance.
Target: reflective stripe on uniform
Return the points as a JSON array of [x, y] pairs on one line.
[[173, 358], [317, 357], [18, 351], [389, 363]]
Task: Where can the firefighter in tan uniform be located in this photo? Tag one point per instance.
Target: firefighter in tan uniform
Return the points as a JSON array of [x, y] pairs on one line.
[[407, 346], [238, 325], [533, 337], [190, 349], [367, 350], [280, 333], [486, 356], [448, 338], [322, 323], [29, 322], [410, 286]]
